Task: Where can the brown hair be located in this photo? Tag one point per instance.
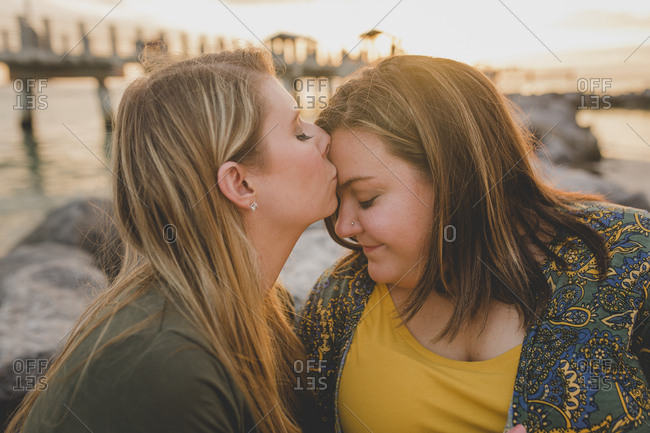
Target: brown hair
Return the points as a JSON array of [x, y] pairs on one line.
[[456, 129], [173, 131]]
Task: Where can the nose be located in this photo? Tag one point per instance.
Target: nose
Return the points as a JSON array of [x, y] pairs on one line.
[[344, 227], [323, 140]]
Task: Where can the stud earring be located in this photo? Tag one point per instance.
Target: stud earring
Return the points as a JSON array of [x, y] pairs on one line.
[[352, 223], [254, 206]]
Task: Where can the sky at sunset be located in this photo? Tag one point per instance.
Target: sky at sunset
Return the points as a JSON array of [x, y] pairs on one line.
[[550, 34]]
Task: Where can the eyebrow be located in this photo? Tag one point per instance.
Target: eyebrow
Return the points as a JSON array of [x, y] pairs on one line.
[[349, 182]]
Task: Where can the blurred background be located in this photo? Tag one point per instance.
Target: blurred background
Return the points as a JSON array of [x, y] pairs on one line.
[[64, 65], [579, 70]]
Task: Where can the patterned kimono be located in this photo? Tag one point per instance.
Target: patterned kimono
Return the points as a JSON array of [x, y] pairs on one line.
[[584, 362]]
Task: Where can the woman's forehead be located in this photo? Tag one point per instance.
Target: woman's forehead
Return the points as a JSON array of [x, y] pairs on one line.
[[361, 157]]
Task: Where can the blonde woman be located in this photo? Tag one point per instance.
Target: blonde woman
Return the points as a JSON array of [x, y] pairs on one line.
[[477, 297], [216, 177]]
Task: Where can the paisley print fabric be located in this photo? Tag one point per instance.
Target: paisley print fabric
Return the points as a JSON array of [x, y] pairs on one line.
[[584, 362]]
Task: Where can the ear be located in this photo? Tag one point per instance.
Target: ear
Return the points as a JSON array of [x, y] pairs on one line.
[[234, 185]]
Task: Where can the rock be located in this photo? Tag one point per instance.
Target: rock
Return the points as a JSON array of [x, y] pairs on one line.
[[639, 101], [579, 180], [45, 288], [569, 148], [552, 118], [86, 224]]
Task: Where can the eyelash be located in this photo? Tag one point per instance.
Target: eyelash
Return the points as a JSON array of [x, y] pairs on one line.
[[367, 204], [304, 137]]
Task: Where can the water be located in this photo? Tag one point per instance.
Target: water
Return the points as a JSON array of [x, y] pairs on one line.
[[622, 134], [42, 172]]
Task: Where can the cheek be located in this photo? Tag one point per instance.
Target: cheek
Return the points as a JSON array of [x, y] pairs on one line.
[[307, 161], [319, 162], [377, 222], [298, 166], [401, 225]]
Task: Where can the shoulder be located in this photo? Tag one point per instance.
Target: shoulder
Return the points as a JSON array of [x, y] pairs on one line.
[[330, 314], [347, 278], [625, 232], [177, 351], [187, 387], [607, 217], [157, 375], [338, 295], [337, 299], [592, 314]]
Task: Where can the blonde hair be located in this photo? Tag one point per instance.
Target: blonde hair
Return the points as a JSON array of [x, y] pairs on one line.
[[173, 131], [457, 131]]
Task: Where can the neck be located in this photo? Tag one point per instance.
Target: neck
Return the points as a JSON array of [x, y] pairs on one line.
[[273, 247]]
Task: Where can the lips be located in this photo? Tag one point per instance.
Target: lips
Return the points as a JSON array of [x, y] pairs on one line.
[[369, 248]]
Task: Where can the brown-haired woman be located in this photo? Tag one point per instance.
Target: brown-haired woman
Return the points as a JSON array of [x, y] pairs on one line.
[[477, 297], [216, 177]]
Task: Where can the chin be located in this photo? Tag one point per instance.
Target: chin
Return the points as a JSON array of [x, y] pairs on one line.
[[333, 207], [330, 209], [380, 274]]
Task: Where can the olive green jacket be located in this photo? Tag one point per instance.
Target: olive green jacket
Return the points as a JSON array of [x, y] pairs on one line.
[[161, 379]]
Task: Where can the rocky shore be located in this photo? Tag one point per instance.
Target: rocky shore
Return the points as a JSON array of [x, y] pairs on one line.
[[570, 158], [46, 282], [48, 278], [632, 100]]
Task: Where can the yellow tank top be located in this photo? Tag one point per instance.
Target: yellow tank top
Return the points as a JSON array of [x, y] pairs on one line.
[[391, 383]]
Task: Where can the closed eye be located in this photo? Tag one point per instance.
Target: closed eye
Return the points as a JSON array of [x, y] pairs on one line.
[[368, 203], [304, 137]]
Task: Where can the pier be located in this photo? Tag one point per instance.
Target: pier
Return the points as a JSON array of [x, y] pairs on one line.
[[35, 61]]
